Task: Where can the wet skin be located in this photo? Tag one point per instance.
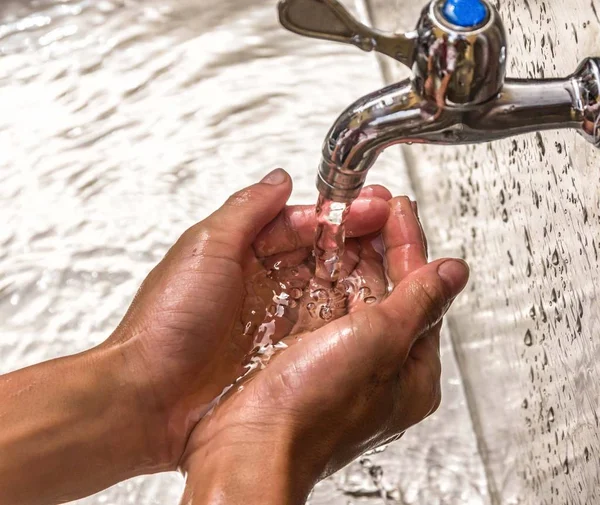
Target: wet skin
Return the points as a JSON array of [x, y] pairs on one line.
[[136, 403]]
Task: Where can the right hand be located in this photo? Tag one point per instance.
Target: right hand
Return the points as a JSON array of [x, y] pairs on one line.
[[352, 385]]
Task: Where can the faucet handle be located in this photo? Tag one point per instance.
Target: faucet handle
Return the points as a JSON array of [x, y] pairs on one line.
[[330, 20]]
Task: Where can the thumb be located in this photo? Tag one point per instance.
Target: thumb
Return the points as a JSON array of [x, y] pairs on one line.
[[422, 299], [248, 211], [386, 332]]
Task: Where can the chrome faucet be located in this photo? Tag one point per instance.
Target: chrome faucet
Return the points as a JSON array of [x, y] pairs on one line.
[[458, 93]]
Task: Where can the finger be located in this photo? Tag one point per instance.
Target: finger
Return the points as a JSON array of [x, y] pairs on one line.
[[350, 258], [402, 236], [237, 223], [376, 191], [295, 226], [420, 301]]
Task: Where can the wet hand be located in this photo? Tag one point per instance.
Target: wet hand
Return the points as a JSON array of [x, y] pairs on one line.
[[180, 338], [356, 383]]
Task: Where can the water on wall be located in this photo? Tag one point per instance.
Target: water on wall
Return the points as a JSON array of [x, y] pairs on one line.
[[124, 122], [526, 213]]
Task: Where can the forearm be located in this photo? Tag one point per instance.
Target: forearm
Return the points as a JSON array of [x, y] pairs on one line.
[[70, 427]]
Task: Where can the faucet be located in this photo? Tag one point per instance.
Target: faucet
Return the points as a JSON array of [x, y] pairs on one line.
[[458, 92]]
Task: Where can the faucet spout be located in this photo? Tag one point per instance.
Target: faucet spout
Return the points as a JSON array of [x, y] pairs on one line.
[[404, 113], [392, 115]]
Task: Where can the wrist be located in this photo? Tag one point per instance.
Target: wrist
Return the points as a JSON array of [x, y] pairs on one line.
[[140, 434], [246, 467]]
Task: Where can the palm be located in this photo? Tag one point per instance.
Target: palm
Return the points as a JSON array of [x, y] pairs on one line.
[[283, 298]]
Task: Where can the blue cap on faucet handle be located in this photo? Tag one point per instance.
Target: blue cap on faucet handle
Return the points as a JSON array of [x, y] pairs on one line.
[[465, 13]]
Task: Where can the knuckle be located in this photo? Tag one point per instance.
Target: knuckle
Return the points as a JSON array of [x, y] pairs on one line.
[[247, 197], [291, 231], [430, 300], [436, 399], [240, 198], [434, 388], [434, 379], [196, 236]]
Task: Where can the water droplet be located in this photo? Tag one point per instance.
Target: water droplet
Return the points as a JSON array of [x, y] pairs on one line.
[[376, 473], [370, 300], [502, 197], [249, 328], [295, 271], [532, 312], [525, 404], [364, 292], [505, 216], [528, 338], [586, 454], [551, 415], [365, 43], [311, 307], [565, 466], [528, 270], [319, 294], [277, 265], [377, 450], [296, 293], [555, 257], [326, 313], [281, 298]]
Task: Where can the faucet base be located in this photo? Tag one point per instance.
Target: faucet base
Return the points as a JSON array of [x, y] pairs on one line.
[[334, 184], [586, 84]]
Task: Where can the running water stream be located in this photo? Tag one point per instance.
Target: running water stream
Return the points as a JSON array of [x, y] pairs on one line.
[[330, 237]]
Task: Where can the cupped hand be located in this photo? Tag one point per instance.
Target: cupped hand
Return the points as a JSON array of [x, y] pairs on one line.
[[178, 338], [334, 393]]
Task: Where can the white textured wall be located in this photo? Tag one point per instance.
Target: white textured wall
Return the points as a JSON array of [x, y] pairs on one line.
[[526, 214]]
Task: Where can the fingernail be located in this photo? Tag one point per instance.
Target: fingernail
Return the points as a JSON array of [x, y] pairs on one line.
[[399, 206], [455, 274], [277, 176]]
